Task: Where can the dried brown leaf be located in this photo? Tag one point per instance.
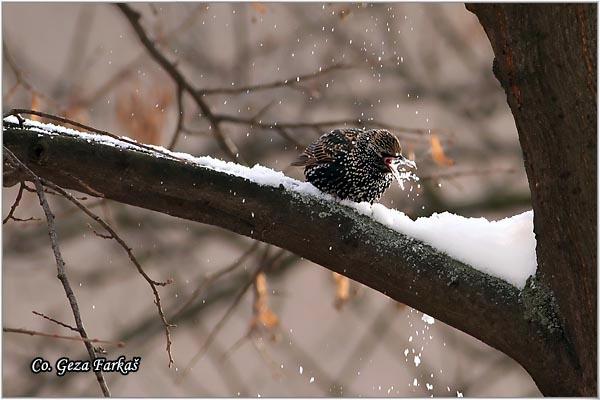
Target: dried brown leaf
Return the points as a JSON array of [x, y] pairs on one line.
[[437, 152], [342, 290], [141, 113], [36, 104], [263, 315]]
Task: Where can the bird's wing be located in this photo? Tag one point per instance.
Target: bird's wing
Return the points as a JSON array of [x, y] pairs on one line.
[[323, 150]]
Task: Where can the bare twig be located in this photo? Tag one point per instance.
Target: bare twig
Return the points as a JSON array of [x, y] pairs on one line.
[[55, 321], [108, 228], [320, 124], [55, 336], [60, 264], [153, 284], [263, 265], [236, 345], [52, 192], [113, 234], [276, 84], [25, 219], [101, 235], [262, 111], [224, 141], [15, 204], [179, 124], [284, 133], [73, 210], [127, 70], [70, 77], [210, 278], [217, 328], [259, 345], [20, 79]]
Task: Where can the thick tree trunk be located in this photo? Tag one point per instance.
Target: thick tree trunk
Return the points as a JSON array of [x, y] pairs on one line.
[[546, 63]]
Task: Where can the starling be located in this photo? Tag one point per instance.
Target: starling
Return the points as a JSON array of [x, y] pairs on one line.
[[353, 164]]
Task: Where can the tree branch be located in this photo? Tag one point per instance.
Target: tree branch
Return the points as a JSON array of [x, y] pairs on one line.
[[400, 130], [182, 82], [15, 205], [57, 322], [113, 235], [56, 336], [276, 84], [324, 232], [60, 264]]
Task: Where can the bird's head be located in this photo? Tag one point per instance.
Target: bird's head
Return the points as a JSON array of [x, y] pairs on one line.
[[389, 153]]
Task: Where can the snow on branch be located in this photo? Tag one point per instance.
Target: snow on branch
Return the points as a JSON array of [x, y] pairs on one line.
[[504, 249], [373, 245]]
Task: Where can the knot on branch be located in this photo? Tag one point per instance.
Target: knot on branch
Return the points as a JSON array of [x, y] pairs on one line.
[[39, 152]]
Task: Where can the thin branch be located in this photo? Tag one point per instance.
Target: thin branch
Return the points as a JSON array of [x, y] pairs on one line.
[[211, 278], [320, 124], [55, 321], [20, 79], [224, 141], [73, 210], [52, 192], [113, 234], [60, 264], [179, 124], [55, 336], [194, 132], [284, 133], [264, 264], [259, 345], [127, 70], [25, 219], [217, 328], [236, 345], [276, 84], [15, 204], [69, 79], [100, 235], [13, 89], [262, 111]]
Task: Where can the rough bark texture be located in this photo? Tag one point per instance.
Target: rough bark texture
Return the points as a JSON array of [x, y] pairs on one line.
[[546, 63], [327, 233]]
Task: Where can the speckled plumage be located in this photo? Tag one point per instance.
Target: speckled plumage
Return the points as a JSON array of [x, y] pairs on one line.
[[349, 163]]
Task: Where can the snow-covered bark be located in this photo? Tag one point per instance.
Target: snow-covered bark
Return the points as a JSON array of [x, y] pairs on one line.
[[504, 249], [359, 241]]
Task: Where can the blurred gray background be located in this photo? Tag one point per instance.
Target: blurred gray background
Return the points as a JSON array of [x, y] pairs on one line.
[[423, 70]]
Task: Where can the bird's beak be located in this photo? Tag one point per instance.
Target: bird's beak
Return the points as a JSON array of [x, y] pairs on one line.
[[397, 166], [399, 161]]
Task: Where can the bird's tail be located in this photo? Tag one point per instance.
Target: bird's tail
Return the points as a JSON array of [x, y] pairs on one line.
[[301, 161]]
